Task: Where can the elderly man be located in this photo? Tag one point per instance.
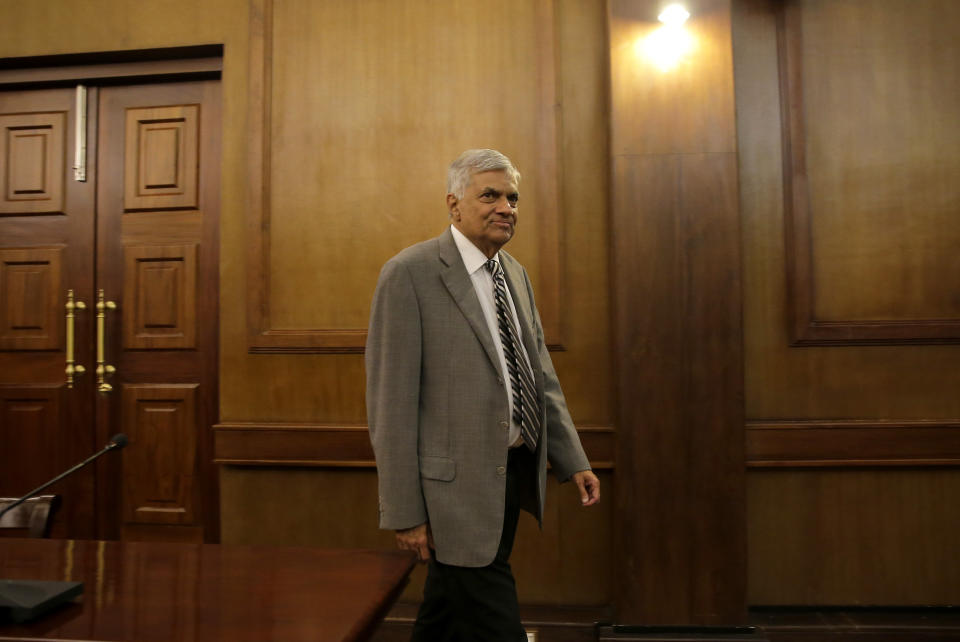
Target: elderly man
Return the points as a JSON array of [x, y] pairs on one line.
[[464, 406]]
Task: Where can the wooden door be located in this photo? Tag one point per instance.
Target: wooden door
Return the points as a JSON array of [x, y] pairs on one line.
[[137, 245], [46, 251], [157, 214]]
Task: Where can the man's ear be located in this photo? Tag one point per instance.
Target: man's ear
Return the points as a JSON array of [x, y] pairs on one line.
[[453, 206]]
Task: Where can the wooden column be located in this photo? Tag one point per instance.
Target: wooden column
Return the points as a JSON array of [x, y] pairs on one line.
[[680, 487]]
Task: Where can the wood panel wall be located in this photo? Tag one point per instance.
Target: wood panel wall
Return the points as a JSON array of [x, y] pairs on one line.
[[356, 110], [847, 137], [361, 119], [676, 281], [825, 523]]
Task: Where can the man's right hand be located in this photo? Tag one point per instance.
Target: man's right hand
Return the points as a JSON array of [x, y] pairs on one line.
[[418, 539]]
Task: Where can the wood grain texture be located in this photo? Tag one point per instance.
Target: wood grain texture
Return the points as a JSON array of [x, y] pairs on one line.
[[328, 388], [552, 566], [31, 298], [32, 163], [869, 201], [852, 443], [160, 289], [63, 27], [825, 420], [44, 254], [30, 422], [162, 158], [159, 468], [856, 537], [325, 388], [676, 286], [164, 279], [279, 444], [187, 592], [353, 200], [868, 382]]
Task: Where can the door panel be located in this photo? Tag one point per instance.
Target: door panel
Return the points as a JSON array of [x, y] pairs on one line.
[[160, 287], [46, 250], [143, 329], [32, 163], [30, 318], [158, 200], [158, 478], [161, 157]]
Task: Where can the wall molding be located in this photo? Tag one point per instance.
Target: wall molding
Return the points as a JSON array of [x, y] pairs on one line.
[[262, 336], [199, 62], [832, 443], [805, 328], [258, 444]]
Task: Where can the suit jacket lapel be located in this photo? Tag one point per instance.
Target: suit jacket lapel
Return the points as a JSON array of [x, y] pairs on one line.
[[458, 283]]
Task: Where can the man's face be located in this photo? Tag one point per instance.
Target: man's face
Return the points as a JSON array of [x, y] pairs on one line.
[[487, 213]]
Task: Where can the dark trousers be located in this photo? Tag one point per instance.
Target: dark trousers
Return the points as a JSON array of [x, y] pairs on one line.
[[477, 604]]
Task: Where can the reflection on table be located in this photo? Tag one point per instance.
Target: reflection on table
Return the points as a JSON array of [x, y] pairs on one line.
[[163, 591]]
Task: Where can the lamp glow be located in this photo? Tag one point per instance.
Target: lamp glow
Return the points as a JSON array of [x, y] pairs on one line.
[[673, 15]]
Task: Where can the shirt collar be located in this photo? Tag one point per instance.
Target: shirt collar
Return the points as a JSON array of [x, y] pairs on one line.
[[473, 258]]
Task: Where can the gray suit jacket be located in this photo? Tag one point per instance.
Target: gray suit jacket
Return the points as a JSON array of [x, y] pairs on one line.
[[437, 406]]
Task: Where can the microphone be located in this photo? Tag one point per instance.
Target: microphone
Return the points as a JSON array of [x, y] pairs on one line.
[[117, 442]]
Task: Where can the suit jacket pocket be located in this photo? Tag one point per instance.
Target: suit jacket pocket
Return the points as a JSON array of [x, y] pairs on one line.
[[439, 468]]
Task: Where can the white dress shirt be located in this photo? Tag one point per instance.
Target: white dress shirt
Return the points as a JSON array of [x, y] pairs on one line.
[[475, 262]]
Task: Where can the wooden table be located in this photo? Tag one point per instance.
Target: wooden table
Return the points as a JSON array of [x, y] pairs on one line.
[[202, 592]]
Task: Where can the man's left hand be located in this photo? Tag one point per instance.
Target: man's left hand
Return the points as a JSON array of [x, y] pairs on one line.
[[589, 487]]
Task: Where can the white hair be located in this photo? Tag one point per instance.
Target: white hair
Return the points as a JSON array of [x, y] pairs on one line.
[[475, 161]]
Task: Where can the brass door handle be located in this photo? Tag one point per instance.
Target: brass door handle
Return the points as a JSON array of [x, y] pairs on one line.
[[102, 368], [73, 369]]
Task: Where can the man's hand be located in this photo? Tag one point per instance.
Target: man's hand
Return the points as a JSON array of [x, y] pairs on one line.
[[589, 487], [418, 539]]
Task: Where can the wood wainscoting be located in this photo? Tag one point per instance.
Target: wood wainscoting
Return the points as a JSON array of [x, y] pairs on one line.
[[846, 141], [318, 445]]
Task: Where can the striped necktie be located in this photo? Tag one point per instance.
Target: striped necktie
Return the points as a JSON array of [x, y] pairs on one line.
[[526, 410]]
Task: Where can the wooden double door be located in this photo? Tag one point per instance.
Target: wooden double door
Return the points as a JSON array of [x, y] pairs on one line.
[[108, 303]]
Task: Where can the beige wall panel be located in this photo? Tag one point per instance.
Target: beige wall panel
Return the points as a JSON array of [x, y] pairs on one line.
[[64, 26], [854, 537], [371, 101], [873, 382], [334, 226], [568, 563], [881, 91]]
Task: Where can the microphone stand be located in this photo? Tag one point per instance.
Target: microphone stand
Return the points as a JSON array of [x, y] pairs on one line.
[[118, 441], [22, 600]]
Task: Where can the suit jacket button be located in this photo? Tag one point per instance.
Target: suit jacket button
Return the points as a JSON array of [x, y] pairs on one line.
[[504, 425], [501, 470]]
